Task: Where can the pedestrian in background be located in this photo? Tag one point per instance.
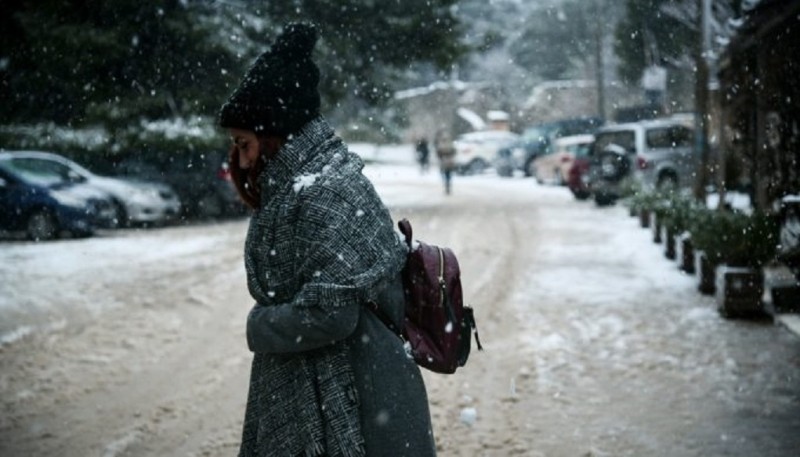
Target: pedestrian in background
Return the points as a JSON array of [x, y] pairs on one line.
[[423, 154], [446, 153], [328, 378]]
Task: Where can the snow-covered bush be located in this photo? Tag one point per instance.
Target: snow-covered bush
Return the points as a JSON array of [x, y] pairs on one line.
[[676, 211], [735, 238], [99, 147]]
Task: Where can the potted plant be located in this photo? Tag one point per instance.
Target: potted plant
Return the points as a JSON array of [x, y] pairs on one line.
[[677, 212], [629, 188], [644, 203], [706, 228], [734, 247], [660, 207], [659, 210]]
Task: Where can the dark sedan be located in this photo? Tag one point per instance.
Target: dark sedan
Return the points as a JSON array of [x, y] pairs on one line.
[[44, 206], [201, 180]]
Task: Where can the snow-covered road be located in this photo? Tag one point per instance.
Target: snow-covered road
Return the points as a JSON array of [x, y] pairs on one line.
[[132, 343]]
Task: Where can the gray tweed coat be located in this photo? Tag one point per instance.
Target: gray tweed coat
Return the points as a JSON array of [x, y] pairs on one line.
[[328, 378]]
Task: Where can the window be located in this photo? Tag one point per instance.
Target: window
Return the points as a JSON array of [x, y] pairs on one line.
[[682, 137], [658, 138], [40, 171], [669, 137], [582, 150]]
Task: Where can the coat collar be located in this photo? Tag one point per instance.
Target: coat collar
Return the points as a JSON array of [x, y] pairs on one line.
[[300, 149]]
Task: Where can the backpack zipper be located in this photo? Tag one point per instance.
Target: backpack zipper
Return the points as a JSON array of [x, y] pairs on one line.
[[444, 300], [441, 276]]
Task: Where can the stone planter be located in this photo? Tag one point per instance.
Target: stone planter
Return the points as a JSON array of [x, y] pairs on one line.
[[739, 291], [785, 299], [669, 243], [644, 218], [684, 252], [705, 273], [783, 290]]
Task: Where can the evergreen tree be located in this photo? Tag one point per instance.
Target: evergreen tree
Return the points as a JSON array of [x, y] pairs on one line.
[[647, 35], [368, 43], [556, 40], [668, 32], [75, 61]]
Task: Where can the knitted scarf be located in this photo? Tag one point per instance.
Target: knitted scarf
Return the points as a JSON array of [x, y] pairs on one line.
[[321, 238]]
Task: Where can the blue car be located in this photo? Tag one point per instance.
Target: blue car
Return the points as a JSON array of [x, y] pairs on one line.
[[43, 205]]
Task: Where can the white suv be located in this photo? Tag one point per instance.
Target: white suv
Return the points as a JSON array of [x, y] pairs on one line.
[[476, 151], [658, 154]]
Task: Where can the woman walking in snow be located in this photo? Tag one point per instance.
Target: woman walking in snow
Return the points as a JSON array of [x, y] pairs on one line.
[[447, 158], [328, 378]]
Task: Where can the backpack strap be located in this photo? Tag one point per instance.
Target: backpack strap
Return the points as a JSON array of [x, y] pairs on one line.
[[469, 320], [405, 229]]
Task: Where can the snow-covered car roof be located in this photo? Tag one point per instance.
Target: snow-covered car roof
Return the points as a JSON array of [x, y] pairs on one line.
[[573, 139], [644, 125], [488, 135]]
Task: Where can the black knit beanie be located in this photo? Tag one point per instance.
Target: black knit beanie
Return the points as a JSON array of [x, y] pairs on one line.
[[278, 94]]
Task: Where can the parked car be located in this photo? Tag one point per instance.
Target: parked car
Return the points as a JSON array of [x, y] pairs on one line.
[[578, 177], [476, 151], [553, 166], [507, 160], [43, 204], [202, 180], [656, 154], [538, 139], [135, 202]]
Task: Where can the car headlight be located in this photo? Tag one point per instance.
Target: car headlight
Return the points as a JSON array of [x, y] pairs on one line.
[[143, 195], [68, 199]]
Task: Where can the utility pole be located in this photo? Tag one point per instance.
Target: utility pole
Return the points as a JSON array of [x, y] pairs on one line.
[[598, 60], [702, 98]]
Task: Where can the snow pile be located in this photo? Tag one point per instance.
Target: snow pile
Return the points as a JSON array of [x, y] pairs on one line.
[[301, 182]]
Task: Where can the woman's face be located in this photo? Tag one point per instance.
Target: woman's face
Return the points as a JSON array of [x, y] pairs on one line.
[[247, 147]]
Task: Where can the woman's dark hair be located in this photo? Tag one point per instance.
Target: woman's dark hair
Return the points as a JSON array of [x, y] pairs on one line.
[[246, 181]]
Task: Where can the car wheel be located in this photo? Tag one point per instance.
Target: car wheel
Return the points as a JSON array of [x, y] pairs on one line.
[[530, 169], [604, 199], [559, 178], [581, 194], [505, 171], [476, 167], [118, 217], [42, 225], [667, 183], [83, 233], [210, 206]]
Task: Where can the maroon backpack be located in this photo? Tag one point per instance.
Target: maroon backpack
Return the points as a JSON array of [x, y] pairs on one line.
[[437, 325]]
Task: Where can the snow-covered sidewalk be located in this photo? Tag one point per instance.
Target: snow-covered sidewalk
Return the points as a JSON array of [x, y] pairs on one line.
[[132, 343]]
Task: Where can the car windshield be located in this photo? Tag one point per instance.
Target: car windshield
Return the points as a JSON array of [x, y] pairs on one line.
[[579, 150], [32, 173], [624, 139], [536, 134]]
